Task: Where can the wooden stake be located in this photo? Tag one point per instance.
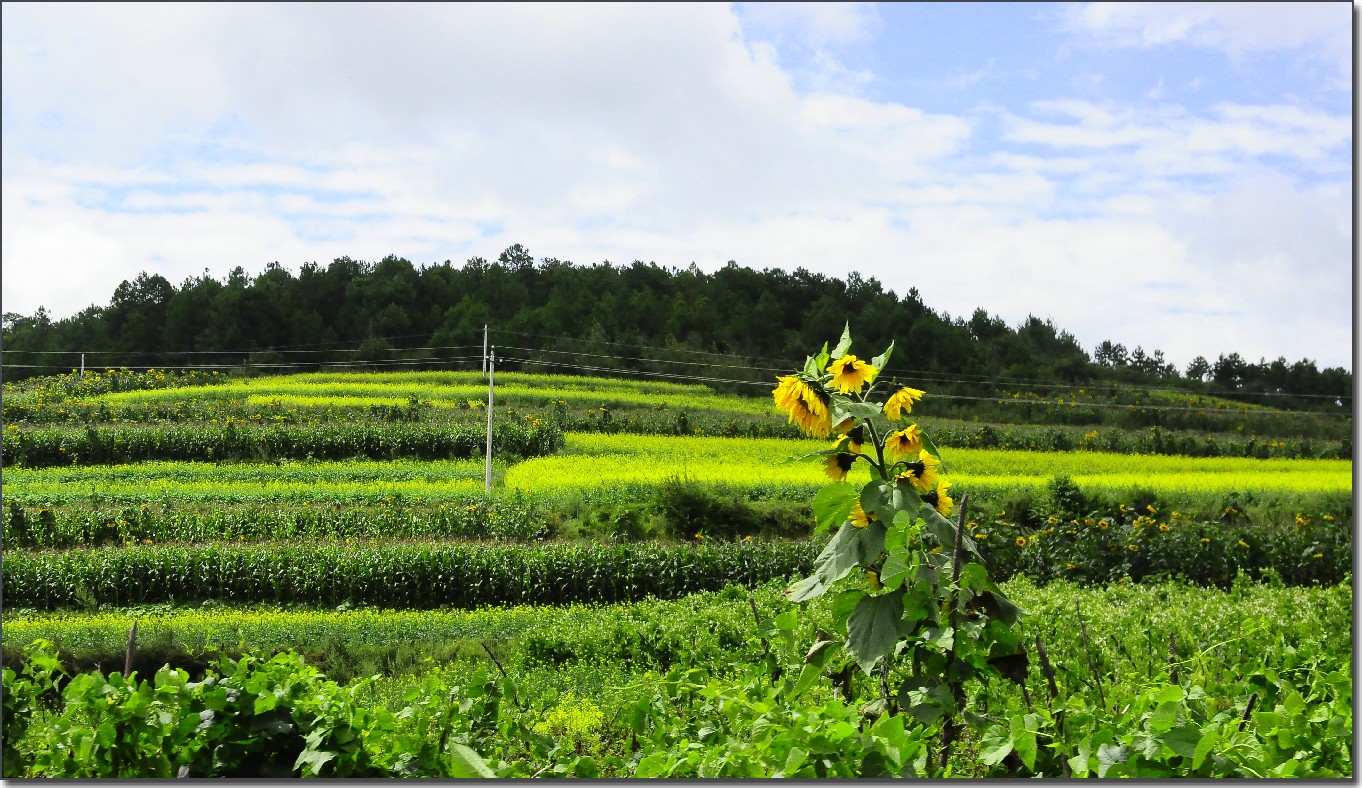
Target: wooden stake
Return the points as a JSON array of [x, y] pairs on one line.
[[132, 643]]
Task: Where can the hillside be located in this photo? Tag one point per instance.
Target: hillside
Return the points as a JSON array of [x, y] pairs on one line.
[[729, 328]]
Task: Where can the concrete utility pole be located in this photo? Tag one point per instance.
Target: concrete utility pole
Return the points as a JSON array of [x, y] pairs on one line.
[[491, 362], [484, 350]]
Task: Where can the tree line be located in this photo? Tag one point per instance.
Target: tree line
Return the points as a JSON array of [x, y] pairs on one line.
[[602, 315]]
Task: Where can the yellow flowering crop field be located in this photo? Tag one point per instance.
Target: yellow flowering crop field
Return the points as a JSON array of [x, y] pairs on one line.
[[293, 481], [591, 460], [450, 389]]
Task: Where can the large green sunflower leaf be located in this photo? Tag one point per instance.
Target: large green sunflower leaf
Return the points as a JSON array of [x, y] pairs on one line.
[[873, 628], [879, 361], [832, 505], [850, 548], [844, 345]]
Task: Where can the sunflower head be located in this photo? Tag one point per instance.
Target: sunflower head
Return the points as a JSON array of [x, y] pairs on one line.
[[940, 500], [924, 472], [805, 405], [855, 438], [858, 517], [901, 402], [906, 442], [850, 374], [836, 466]]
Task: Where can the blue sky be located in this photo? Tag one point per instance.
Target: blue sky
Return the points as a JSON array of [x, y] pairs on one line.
[[1173, 176]]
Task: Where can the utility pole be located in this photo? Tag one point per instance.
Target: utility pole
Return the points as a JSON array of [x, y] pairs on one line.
[[491, 362], [82, 365], [484, 350]]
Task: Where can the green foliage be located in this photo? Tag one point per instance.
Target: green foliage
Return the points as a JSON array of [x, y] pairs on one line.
[[43, 447], [420, 574], [721, 709]]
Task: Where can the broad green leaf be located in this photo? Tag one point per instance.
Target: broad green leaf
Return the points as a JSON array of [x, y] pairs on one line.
[[844, 344], [818, 652], [1183, 740], [889, 727], [1170, 694], [652, 765], [1024, 738], [1109, 755], [975, 577], [265, 702], [313, 759], [930, 446], [995, 746], [586, 767], [879, 361], [873, 628], [875, 500], [844, 602], [464, 762], [821, 360], [807, 676], [832, 505], [926, 699], [943, 637], [847, 550], [896, 568], [787, 620]]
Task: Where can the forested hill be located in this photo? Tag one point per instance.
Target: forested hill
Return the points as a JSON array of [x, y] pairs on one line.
[[599, 316]]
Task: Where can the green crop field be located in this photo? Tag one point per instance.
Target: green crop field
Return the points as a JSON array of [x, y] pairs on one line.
[[612, 606]]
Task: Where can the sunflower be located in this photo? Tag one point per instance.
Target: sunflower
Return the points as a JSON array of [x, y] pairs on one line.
[[858, 517], [837, 465], [907, 442], [941, 500], [901, 402], [855, 438], [923, 473], [804, 404], [850, 374]]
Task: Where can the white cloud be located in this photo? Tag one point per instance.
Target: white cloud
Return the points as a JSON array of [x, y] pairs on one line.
[[298, 133], [1318, 30], [815, 25]]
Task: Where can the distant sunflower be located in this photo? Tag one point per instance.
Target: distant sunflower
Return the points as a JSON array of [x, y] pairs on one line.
[[850, 374], [805, 405], [902, 402], [836, 466], [907, 442]]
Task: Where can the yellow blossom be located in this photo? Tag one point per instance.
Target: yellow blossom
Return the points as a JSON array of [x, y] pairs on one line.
[[859, 517], [850, 374], [906, 442], [901, 402], [805, 406], [836, 466], [1021, 541], [923, 474]]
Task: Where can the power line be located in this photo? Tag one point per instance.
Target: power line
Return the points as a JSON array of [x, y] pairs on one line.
[[965, 397], [957, 378]]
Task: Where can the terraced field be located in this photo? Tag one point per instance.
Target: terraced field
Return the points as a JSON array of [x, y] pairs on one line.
[[347, 513]]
